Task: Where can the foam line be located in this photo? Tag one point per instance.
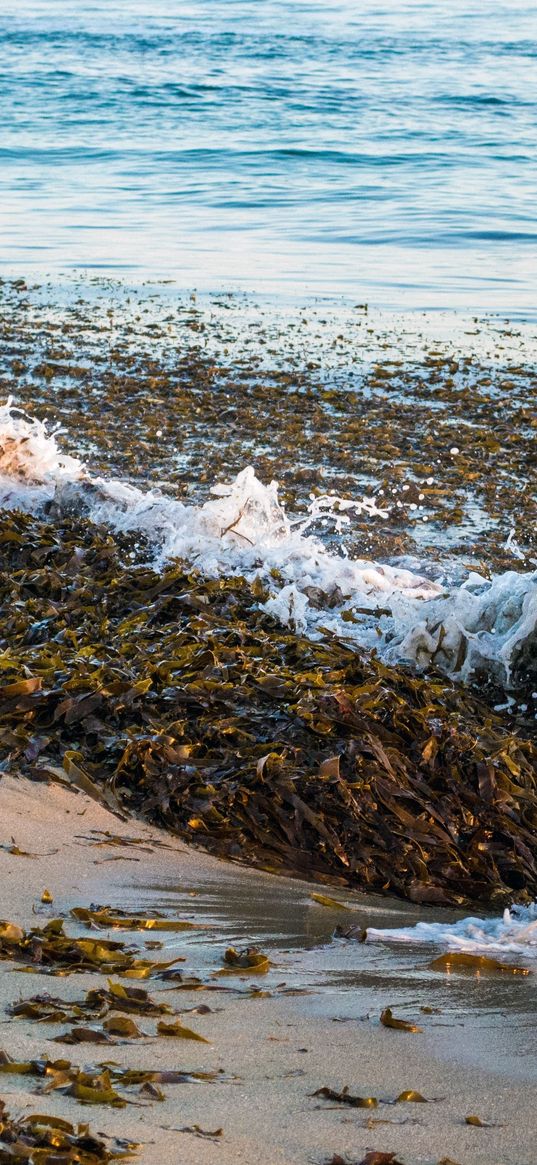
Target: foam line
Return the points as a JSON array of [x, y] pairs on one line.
[[482, 627]]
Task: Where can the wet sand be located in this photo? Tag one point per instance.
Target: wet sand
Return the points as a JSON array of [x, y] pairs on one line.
[[277, 1050]]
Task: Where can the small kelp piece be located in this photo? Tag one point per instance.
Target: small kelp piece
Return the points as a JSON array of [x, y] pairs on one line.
[[479, 964], [122, 997], [151, 1091], [178, 1031], [16, 1067], [47, 897], [105, 837], [105, 918], [476, 1122], [122, 1025], [16, 851], [45, 1009], [10, 933], [250, 960], [84, 1035], [95, 1089], [205, 1134], [344, 1097], [331, 903], [410, 1096], [50, 1140], [387, 1019], [375, 1157], [20, 688]]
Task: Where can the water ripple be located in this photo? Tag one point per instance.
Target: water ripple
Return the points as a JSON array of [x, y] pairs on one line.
[[170, 128]]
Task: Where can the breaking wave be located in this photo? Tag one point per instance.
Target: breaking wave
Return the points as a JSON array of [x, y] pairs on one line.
[[480, 628], [515, 932]]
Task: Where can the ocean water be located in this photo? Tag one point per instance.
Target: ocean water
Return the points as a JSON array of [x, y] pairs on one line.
[[385, 149]]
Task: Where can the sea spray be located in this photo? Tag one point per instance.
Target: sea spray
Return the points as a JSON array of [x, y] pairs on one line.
[[513, 932], [481, 629]]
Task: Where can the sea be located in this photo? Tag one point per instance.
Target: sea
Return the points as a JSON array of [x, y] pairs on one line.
[[385, 149]]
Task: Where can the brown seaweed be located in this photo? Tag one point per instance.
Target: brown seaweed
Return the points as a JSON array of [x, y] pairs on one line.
[[345, 1097], [49, 1140], [50, 950]]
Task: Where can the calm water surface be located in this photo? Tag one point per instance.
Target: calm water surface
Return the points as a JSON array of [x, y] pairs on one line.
[[386, 149], [485, 1020]]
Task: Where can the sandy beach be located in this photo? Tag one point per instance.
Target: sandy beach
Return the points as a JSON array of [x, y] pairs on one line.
[[273, 1051]]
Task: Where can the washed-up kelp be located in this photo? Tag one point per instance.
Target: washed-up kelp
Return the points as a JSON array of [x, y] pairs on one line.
[[96, 1004], [178, 698], [49, 1140], [51, 950], [99, 1083]]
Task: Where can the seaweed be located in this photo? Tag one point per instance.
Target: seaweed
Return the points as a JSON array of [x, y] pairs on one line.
[[388, 1019], [51, 951], [176, 698], [50, 1140], [345, 1097], [98, 1084]]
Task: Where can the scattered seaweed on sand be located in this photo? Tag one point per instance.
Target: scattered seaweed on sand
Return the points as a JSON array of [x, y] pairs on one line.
[[96, 1004], [99, 1083]]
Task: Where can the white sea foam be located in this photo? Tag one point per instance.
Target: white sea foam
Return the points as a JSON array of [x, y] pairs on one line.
[[244, 530], [31, 464], [515, 932]]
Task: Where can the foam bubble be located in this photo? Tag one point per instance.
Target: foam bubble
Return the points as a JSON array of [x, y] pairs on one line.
[[513, 932]]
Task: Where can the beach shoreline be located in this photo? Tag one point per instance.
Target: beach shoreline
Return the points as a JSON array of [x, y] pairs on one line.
[[132, 677], [268, 583]]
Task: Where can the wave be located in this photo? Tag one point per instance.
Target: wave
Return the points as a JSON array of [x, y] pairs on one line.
[[480, 629], [514, 932]]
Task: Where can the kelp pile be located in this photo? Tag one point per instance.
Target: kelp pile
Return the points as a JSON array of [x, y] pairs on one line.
[[49, 1140], [177, 698]]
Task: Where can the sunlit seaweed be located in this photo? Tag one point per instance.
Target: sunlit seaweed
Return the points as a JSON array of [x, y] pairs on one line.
[[42, 1138]]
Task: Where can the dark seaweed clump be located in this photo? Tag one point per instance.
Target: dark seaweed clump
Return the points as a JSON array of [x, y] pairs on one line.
[[49, 1140], [177, 698]]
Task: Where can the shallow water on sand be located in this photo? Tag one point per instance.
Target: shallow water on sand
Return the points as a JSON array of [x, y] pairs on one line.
[[482, 1018]]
